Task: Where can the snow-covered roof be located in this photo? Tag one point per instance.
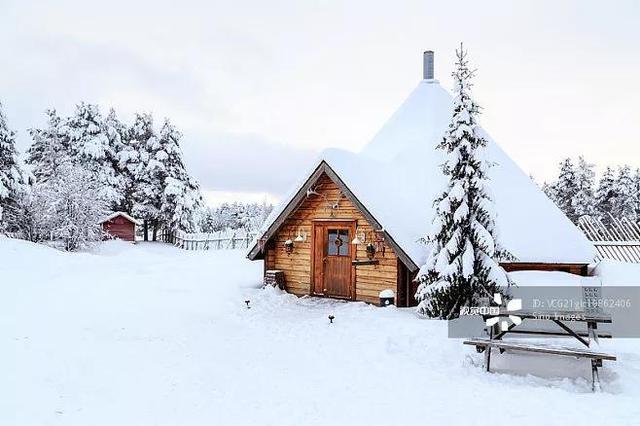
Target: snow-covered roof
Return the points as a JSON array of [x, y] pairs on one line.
[[397, 176], [123, 214]]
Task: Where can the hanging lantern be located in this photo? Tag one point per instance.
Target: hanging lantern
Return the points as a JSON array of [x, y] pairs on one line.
[[288, 246], [371, 251]]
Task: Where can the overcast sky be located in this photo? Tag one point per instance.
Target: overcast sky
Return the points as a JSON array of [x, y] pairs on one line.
[[260, 87]]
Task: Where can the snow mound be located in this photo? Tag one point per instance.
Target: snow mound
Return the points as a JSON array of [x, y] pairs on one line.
[[552, 279], [14, 251], [616, 273]]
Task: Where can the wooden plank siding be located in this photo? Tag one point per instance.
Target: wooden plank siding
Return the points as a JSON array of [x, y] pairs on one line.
[[120, 228], [370, 280]]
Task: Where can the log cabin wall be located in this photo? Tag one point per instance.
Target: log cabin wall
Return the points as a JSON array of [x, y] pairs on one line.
[[370, 280]]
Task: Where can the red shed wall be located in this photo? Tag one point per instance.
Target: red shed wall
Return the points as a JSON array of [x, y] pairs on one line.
[[120, 228]]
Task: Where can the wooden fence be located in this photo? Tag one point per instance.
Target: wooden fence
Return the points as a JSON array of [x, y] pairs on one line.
[[613, 238], [208, 241], [14, 235]]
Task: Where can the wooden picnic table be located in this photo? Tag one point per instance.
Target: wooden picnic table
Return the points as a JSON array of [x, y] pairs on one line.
[[559, 317]]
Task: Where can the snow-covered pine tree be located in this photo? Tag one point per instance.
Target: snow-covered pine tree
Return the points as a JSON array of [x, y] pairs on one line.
[[30, 215], [11, 178], [636, 181], [181, 197], [548, 189], [606, 195], [207, 222], [624, 204], [583, 200], [566, 188], [462, 266], [92, 150], [50, 147], [130, 156], [118, 135], [148, 172]]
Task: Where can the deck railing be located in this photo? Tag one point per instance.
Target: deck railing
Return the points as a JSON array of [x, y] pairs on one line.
[[613, 238]]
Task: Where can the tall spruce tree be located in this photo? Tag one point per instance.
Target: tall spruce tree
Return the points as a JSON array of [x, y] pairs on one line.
[[636, 184], [548, 189], [462, 266], [10, 173], [91, 149], [624, 204], [118, 135], [583, 201], [148, 173], [50, 147], [181, 196], [566, 189], [606, 195], [11, 178]]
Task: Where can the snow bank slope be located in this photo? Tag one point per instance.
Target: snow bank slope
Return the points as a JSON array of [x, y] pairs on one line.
[[148, 334], [615, 273]]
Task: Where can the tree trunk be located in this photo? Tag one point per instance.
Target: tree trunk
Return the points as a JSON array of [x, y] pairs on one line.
[[146, 230], [155, 230]]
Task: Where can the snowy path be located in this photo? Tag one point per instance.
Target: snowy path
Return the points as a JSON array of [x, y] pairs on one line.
[[151, 335]]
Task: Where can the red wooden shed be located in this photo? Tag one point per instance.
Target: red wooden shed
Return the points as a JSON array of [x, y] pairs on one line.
[[120, 225]]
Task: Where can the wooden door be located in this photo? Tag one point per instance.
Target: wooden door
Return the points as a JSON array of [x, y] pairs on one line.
[[332, 267]]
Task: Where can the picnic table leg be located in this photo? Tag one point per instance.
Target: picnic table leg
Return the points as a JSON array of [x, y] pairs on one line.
[[571, 332], [592, 332], [487, 352], [595, 377]]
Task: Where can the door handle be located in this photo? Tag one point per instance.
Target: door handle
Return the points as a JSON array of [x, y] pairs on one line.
[[324, 260]]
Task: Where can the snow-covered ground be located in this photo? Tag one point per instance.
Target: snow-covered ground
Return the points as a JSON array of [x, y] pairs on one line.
[[148, 334]]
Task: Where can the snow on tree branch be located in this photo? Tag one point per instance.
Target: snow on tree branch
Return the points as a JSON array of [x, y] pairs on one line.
[[462, 266]]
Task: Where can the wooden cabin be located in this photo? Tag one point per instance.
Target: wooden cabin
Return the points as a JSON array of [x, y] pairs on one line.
[[353, 228], [322, 222], [119, 225]]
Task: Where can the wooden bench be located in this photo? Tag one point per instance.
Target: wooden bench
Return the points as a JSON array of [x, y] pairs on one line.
[[544, 332], [595, 357]]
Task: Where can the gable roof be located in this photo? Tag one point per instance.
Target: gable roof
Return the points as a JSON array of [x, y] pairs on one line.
[[272, 224], [123, 214], [397, 176]]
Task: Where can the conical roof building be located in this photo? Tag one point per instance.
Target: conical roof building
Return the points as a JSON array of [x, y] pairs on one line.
[[390, 186]]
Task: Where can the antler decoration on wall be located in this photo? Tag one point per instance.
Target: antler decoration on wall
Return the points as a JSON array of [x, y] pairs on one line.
[[329, 205]]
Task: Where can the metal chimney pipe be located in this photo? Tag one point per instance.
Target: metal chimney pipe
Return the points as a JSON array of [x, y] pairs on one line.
[[427, 65]]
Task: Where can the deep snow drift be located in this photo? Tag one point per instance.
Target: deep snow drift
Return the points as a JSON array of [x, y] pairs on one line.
[[151, 335]]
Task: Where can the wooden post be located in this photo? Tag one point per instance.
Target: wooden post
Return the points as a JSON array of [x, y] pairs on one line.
[[487, 352]]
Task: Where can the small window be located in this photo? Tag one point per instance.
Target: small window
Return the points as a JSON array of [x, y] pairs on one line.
[[338, 242]]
